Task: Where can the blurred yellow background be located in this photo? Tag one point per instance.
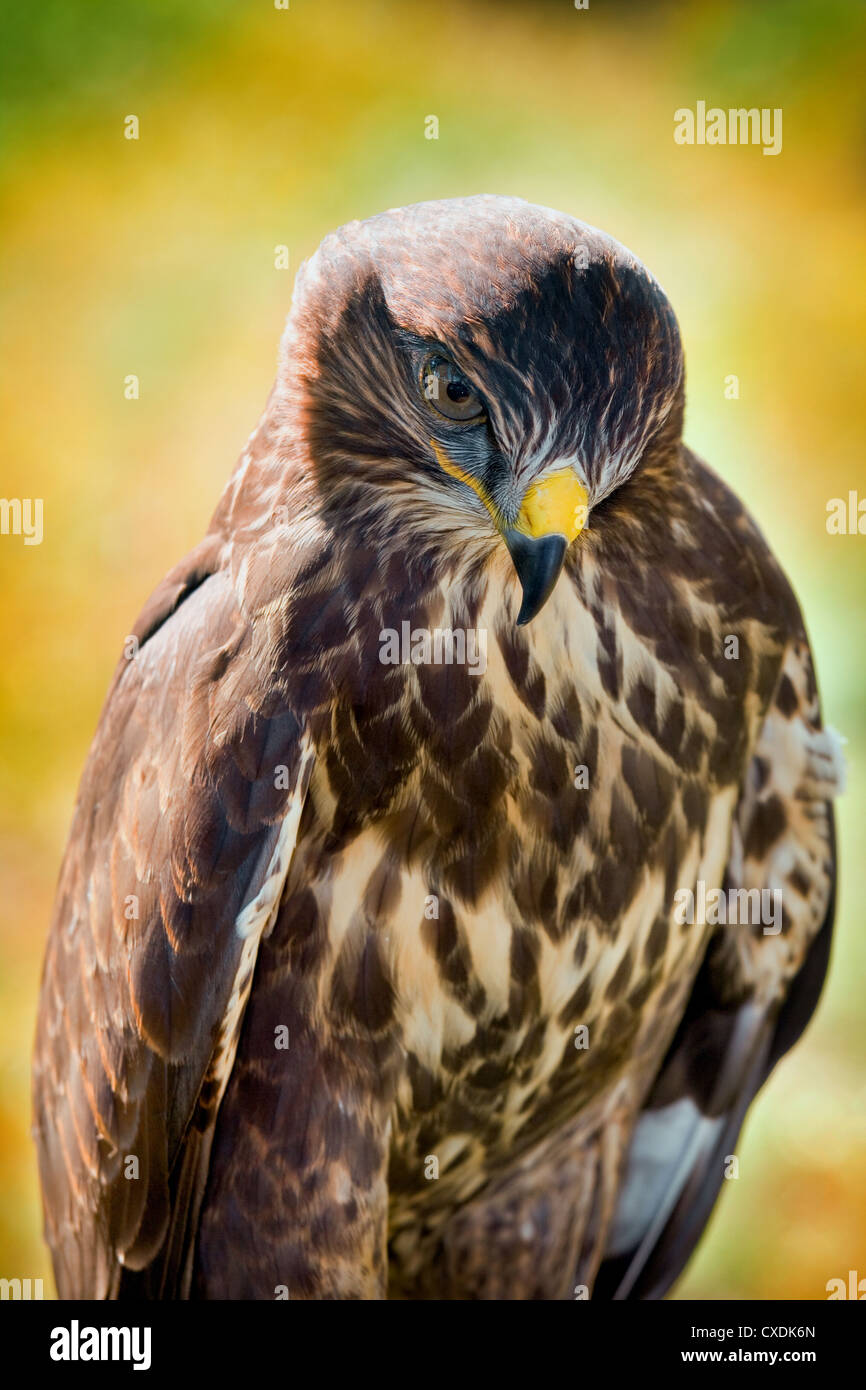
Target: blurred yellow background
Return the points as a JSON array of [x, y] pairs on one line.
[[155, 257]]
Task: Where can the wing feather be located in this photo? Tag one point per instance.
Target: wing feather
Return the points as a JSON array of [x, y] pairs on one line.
[[182, 832], [752, 998]]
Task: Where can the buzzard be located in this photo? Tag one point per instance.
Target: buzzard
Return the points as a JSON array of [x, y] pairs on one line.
[[369, 974]]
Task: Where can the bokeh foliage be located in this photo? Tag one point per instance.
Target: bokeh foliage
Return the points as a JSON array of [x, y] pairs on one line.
[[156, 257]]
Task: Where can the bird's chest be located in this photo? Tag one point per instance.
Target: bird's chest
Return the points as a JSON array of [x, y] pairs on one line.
[[517, 887]]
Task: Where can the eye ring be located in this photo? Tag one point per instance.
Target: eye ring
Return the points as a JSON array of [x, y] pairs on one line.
[[448, 393]]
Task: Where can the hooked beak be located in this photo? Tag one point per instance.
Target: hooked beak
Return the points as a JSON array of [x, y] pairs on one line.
[[552, 514], [537, 562]]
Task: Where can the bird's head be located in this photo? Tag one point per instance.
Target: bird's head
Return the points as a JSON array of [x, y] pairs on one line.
[[479, 368]]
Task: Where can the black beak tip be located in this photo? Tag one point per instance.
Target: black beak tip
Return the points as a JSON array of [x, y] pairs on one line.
[[537, 561]]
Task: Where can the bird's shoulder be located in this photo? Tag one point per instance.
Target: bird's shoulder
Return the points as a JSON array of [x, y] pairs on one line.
[[744, 572]]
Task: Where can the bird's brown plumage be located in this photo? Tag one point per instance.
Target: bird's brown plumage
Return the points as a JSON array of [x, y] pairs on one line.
[[394, 869]]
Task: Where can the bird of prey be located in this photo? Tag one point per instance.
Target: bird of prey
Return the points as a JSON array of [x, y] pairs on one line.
[[370, 974]]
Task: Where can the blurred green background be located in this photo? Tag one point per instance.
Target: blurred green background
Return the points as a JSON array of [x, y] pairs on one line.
[[260, 127]]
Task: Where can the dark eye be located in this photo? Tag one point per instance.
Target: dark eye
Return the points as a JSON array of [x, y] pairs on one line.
[[448, 392]]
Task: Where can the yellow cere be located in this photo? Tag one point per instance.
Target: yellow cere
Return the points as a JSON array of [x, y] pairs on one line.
[[555, 505]]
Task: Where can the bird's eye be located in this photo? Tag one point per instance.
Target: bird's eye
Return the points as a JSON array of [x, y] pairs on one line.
[[448, 392]]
